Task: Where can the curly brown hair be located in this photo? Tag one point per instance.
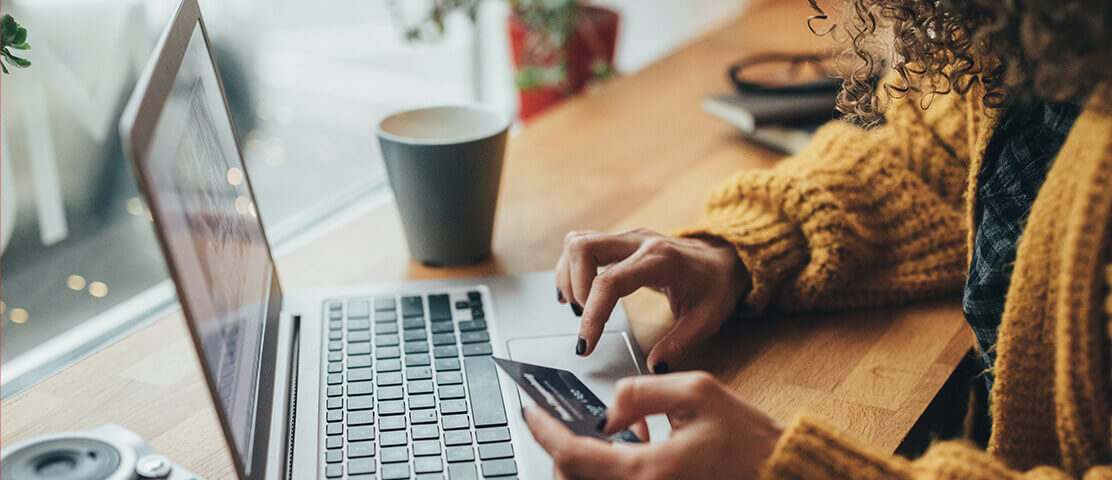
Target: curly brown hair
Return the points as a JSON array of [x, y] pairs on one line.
[[1019, 50]]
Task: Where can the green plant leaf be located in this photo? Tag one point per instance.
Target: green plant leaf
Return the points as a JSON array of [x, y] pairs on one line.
[[22, 46], [533, 76], [8, 29], [3, 67]]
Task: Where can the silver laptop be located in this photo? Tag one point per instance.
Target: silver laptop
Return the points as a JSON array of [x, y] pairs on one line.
[[379, 381]]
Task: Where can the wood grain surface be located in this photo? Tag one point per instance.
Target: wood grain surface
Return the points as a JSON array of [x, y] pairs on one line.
[[636, 152]]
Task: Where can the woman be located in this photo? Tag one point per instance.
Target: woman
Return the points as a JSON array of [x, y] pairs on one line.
[[991, 167]]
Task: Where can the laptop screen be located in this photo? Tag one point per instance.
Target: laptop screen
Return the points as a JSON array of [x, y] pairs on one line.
[[212, 236]]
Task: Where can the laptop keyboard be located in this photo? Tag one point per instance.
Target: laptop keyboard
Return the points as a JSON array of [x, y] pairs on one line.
[[411, 390]]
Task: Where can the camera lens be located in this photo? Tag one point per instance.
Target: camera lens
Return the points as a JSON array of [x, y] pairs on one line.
[[55, 464], [61, 459]]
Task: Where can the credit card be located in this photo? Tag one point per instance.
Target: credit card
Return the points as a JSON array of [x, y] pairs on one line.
[[564, 397]]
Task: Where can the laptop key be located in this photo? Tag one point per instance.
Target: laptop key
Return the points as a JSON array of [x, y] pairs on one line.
[[359, 325], [335, 305], [361, 403], [418, 360], [386, 328], [494, 468], [455, 422], [333, 456], [359, 349], [420, 386], [359, 309], [361, 449], [449, 378], [395, 471], [334, 442], [419, 417], [365, 417], [413, 323], [384, 303], [360, 388], [477, 313], [335, 315], [386, 316], [472, 325], [335, 403], [361, 466], [448, 407], [393, 439], [441, 339], [334, 415], [391, 393], [491, 435], [477, 349], [450, 392], [418, 373], [335, 335], [415, 335], [425, 432], [335, 325], [474, 295], [393, 422], [416, 347], [462, 471], [335, 367], [359, 374], [392, 365], [335, 378], [474, 337], [462, 453], [386, 341], [440, 307], [427, 464], [385, 353], [462, 305], [335, 356], [359, 337], [334, 471], [445, 351], [422, 448], [495, 451], [445, 364], [417, 402], [441, 327], [457, 437], [359, 361], [335, 390], [361, 433], [335, 345], [487, 409], [394, 454], [390, 378], [412, 307], [334, 428], [391, 407]]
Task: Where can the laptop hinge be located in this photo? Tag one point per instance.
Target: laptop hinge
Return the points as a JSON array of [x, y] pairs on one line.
[[292, 411]]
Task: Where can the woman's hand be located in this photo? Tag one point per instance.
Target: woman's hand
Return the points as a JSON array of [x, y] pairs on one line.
[[702, 278], [714, 433]]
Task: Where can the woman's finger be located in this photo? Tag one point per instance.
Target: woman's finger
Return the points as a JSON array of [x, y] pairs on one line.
[[675, 394], [585, 253], [692, 328], [573, 455], [563, 280], [622, 279]]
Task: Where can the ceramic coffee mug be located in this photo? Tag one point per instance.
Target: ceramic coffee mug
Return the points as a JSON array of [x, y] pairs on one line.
[[445, 165]]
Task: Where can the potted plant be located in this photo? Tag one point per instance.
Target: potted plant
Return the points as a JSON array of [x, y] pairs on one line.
[[12, 36], [559, 47]]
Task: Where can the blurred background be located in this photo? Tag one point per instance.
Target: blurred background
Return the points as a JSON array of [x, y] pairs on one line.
[[307, 83]]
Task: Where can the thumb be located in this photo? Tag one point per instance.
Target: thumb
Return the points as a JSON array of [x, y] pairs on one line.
[[640, 396], [690, 331]]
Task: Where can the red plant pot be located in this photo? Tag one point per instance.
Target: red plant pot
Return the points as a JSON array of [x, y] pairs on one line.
[[595, 38]]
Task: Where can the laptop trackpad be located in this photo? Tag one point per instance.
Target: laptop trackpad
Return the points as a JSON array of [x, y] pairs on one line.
[[611, 360]]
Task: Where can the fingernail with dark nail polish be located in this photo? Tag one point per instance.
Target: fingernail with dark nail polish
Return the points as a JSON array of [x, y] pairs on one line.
[[575, 308], [580, 346], [522, 412], [601, 423], [660, 368], [559, 296]]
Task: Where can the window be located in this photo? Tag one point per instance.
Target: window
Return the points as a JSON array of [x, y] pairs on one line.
[[307, 83]]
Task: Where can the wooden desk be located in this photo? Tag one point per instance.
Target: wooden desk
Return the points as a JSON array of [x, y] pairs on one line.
[[637, 152]]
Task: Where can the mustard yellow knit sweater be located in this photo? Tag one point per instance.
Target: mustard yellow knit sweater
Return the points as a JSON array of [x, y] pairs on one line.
[[886, 216]]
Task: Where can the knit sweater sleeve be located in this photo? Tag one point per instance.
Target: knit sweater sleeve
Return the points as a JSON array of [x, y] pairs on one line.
[[859, 217], [811, 449]]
